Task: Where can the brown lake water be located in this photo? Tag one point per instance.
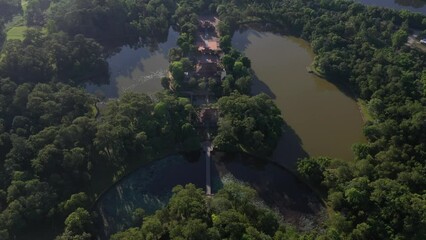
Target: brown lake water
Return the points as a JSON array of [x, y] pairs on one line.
[[321, 119], [410, 5]]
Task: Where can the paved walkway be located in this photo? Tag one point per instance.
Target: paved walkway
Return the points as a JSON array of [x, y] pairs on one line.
[[207, 148]]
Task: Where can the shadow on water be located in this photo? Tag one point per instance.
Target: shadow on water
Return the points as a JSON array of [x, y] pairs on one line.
[[322, 113], [289, 148], [148, 188], [342, 85], [258, 86], [277, 187], [242, 42], [411, 3]]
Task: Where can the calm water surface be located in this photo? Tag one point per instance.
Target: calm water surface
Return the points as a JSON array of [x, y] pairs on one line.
[[137, 70], [411, 5], [322, 121], [150, 188]]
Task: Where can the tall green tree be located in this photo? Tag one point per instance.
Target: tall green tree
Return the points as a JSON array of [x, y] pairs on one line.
[[251, 124]]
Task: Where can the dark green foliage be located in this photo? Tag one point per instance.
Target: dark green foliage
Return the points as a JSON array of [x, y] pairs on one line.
[[113, 23], [9, 8], [226, 43], [177, 71], [24, 63], [224, 28], [312, 169], [40, 58], [251, 124], [136, 124], [35, 12], [50, 140], [46, 140], [77, 225], [2, 35], [238, 76], [232, 213], [175, 54], [363, 48], [399, 38], [28, 202], [165, 82], [78, 200]]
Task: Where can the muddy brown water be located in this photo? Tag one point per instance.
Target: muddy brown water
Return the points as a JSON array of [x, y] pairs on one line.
[[321, 120]]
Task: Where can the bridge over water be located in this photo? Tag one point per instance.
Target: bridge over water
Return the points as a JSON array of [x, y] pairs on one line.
[[207, 149]]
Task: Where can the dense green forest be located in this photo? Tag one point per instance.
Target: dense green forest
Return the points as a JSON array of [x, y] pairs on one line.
[[381, 194], [248, 124], [52, 141], [233, 213]]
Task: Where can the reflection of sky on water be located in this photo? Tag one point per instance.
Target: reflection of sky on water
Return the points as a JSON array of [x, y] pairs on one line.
[[411, 5], [137, 70]]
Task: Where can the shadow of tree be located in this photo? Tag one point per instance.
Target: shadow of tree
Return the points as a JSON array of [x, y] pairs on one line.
[[277, 187], [289, 149], [258, 86], [240, 39]]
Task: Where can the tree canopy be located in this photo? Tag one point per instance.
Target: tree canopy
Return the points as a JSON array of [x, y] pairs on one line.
[[362, 49], [51, 140], [250, 124], [233, 213]]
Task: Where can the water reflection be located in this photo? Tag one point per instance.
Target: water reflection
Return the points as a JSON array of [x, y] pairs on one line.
[[137, 70], [277, 187], [150, 188], [410, 5], [322, 120]]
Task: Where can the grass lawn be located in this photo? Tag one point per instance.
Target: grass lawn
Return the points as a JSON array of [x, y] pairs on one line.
[[366, 116], [16, 32], [24, 4], [314, 70]]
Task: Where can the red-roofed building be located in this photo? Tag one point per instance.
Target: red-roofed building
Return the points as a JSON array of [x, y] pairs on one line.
[[208, 46]]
